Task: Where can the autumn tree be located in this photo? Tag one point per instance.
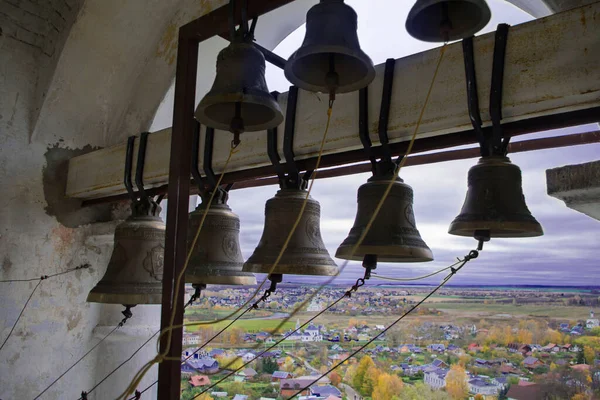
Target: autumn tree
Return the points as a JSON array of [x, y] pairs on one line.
[[359, 377], [350, 374], [370, 381], [387, 387], [456, 383], [335, 378], [589, 354]]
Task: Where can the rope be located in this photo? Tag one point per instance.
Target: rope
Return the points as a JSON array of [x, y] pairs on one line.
[[472, 255], [418, 278], [358, 284], [126, 313], [389, 187], [44, 277], [20, 314]]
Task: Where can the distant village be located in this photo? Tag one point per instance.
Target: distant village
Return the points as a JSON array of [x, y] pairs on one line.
[[492, 370]]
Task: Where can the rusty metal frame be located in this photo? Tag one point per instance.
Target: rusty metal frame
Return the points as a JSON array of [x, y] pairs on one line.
[[190, 35]]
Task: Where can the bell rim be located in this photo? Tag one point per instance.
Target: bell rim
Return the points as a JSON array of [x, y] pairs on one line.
[[310, 50], [504, 229], [233, 98], [420, 254], [293, 269], [412, 31], [121, 298], [240, 279]]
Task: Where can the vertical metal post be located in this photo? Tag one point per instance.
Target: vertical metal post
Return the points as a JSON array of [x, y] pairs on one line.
[[169, 372]]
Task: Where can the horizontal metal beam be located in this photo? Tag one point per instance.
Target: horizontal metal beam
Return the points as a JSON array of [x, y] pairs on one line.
[[554, 86], [442, 156]]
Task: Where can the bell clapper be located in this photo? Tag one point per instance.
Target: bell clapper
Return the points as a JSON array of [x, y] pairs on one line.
[[126, 313], [481, 236], [332, 79], [445, 24], [237, 125]]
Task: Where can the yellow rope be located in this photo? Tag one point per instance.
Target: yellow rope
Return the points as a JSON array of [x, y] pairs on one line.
[[161, 356], [408, 151], [323, 141]]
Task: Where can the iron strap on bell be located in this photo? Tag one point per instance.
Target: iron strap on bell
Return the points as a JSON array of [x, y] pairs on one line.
[[330, 59], [216, 257], [239, 100], [446, 20], [393, 235], [494, 205], [135, 269], [306, 253]]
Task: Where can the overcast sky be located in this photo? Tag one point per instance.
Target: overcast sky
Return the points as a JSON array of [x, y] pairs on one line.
[[566, 255]]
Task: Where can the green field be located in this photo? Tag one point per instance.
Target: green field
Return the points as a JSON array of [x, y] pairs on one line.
[[516, 310], [249, 325]]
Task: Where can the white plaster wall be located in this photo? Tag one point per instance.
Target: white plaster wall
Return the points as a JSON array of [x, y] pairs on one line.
[[57, 325]]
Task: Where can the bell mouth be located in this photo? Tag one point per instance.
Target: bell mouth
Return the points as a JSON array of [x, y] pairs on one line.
[[239, 278], [386, 253], [308, 68], [257, 113], [121, 294], [293, 269], [505, 229]]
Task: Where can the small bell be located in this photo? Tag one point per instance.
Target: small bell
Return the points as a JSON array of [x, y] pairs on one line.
[[306, 253], [135, 269], [446, 20], [393, 236], [330, 58], [217, 257], [495, 204], [239, 100]]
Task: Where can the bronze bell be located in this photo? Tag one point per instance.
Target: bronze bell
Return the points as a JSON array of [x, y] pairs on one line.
[[306, 253], [330, 58], [135, 269], [217, 257], [393, 236], [495, 204], [239, 99], [447, 20]]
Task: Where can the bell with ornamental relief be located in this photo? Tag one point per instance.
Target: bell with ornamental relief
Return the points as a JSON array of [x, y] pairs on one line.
[[393, 236], [135, 269], [495, 205], [216, 258]]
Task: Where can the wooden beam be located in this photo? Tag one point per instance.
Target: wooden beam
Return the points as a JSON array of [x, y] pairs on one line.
[[551, 69]]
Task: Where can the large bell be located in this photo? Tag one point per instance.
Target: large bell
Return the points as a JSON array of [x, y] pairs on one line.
[[217, 257], [135, 269], [239, 99], [393, 236], [447, 20], [305, 254], [495, 204], [330, 58]]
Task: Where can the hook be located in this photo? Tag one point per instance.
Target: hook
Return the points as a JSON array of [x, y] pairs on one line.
[[195, 153], [231, 20], [272, 148], [384, 114], [139, 170], [128, 162], [500, 143], [208, 153], [472, 96], [363, 125], [288, 137], [222, 193]]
